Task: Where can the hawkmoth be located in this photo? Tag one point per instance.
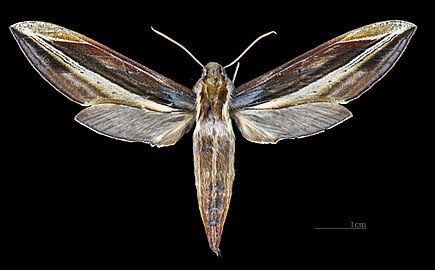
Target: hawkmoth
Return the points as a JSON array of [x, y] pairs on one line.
[[128, 101]]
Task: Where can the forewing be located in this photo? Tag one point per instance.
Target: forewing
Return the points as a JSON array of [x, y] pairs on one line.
[[302, 97], [90, 73], [338, 71]]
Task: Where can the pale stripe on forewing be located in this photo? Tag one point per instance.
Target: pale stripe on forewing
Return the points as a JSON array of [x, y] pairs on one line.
[[325, 83]]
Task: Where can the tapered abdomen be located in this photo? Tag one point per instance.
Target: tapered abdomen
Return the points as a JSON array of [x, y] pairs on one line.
[[213, 150]]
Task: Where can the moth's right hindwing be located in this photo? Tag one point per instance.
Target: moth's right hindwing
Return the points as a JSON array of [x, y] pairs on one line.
[[302, 97], [271, 126]]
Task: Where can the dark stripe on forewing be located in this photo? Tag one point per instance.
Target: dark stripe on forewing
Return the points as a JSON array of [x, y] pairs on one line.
[[372, 69], [128, 74], [300, 72], [53, 71]]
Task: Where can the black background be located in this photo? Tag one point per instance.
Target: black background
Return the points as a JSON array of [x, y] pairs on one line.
[[73, 197]]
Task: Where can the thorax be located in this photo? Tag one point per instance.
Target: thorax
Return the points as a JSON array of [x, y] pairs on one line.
[[213, 92]]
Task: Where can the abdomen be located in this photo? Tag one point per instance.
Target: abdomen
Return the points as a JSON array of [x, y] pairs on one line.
[[213, 151]]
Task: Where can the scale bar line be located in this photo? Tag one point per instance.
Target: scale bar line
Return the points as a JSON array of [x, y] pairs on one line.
[[338, 228]]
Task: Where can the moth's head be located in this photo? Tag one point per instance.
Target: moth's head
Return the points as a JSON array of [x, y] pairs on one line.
[[214, 81], [214, 75]]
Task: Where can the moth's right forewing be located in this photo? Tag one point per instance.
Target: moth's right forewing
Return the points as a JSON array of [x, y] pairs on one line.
[[339, 70]]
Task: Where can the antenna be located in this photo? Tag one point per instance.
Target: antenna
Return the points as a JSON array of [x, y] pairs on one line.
[[249, 47], [235, 72], [178, 44]]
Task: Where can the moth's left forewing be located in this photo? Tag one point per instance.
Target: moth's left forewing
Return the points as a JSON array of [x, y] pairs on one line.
[[87, 72], [336, 72]]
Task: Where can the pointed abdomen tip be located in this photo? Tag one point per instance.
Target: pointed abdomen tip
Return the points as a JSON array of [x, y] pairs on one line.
[[217, 252]]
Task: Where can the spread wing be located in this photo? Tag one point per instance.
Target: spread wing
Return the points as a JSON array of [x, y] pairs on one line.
[[302, 97], [93, 75]]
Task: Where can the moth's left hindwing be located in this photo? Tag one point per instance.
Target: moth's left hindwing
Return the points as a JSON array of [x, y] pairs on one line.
[[136, 125], [302, 97], [113, 85]]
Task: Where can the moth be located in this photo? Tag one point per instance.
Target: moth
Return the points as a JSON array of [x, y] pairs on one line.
[[128, 101]]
